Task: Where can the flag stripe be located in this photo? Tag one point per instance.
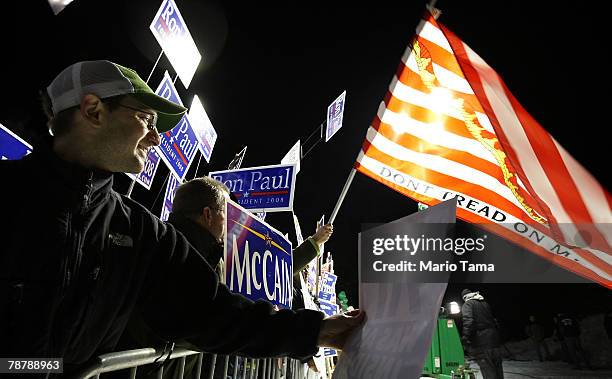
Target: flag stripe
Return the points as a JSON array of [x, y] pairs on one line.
[[445, 77], [426, 115], [528, 160], [475, 80], [430, 101], [460, 155], [593, 194], [443, 58], [432, 33], [559, 177], [432, 133], [398, 127], [443, 176], [454, 84], [525, 135]]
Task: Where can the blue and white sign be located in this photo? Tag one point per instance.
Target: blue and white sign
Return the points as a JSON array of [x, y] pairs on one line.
[[172, 34], [12, 147], [294, 155], [259, 189], [145, 178], [329, 309], [167, 90], [327, 289], [173, 184], [335, 112], [179, 145], [258, 258], [204, 130]]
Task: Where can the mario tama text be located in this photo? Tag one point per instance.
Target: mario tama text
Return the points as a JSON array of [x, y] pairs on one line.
[[428, 254]]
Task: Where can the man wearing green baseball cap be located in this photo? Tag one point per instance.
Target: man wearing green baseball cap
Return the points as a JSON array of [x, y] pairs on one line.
[[100, 101], [78, 260]]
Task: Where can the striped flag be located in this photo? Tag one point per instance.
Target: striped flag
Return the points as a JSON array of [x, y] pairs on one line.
[[448, 126]]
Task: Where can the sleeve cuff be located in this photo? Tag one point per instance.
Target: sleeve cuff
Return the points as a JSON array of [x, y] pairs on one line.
[[314, 244]]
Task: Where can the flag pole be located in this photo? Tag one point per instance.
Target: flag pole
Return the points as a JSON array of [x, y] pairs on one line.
[[349, 180]]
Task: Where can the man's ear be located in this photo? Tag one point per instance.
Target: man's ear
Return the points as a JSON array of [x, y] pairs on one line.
[[93, 110], [207, 215]]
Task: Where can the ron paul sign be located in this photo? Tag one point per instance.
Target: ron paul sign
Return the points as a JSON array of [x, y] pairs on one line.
[[259, 189]]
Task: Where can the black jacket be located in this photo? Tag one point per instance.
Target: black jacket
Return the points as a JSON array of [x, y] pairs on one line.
[[77, 259], [479, 326]]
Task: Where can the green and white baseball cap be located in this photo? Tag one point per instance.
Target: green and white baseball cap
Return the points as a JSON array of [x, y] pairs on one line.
[[107, 79]]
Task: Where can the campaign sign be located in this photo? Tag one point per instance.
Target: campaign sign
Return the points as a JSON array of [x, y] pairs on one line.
[[258, 260], [12, 147], [327, 289], [329, 309], [298, 229], [173, 184], [145, 178], [312, 275], [335, 112], [177, 147], [172, 34], [167, 90], [204, 130], [259, 189], [294, 155]]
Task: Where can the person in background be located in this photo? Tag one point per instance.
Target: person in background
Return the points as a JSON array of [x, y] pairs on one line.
[[480, 334], [535, 333], [198, 212], [568, 329]]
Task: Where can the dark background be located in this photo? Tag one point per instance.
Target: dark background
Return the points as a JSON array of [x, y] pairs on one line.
[[270, 70]]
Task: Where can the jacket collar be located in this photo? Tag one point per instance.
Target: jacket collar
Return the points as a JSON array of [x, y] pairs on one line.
[[200, 238], [82, 186]]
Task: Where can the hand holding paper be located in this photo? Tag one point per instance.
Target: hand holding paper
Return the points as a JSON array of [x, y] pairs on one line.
[[336, 329]]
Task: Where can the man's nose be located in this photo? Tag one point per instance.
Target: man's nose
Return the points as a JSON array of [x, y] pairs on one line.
[[154, 137]]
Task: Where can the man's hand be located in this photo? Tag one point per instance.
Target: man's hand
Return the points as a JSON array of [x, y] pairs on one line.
[[322, 235], [336, 329]]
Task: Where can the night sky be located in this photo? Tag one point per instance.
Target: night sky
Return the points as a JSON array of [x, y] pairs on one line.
[[270, 71]]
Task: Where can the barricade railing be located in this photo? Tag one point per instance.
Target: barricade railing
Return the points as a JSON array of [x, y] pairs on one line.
[[243, 368]]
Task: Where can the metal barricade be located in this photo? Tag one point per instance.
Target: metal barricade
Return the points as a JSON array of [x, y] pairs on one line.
[[266, 368]]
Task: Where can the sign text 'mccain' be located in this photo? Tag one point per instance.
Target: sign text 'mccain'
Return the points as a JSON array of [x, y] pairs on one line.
[[276, 276]]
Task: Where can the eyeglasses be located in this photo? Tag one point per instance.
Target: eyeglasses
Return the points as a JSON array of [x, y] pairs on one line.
[[150, 119], [220, 210]]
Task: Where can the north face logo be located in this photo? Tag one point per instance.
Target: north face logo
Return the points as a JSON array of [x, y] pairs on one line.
[[121, 240]]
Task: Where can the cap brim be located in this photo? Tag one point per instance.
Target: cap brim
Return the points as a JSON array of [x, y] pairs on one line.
[[168, 113]]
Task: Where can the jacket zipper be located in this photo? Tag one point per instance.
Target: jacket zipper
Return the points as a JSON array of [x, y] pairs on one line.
[[75, 237]]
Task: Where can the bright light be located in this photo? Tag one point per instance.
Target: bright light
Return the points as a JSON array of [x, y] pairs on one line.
[[58, 5], [454, 308]]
